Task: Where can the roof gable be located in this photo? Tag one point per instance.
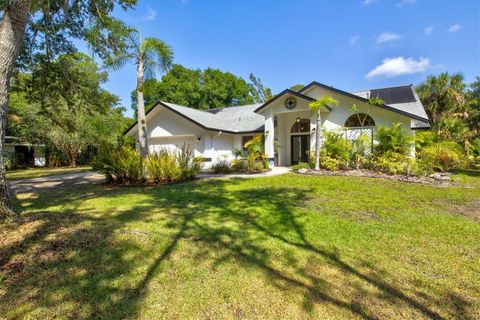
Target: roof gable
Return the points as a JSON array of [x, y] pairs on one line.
[[397, 108]]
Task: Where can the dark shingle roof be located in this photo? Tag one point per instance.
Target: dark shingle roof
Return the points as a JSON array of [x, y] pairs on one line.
[[394, 95]]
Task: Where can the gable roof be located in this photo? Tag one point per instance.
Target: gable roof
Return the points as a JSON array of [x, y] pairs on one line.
[[284, 92], [241, 119], [402, 99]]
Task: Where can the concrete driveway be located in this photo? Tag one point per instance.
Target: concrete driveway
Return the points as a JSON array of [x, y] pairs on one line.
[[53, 182]]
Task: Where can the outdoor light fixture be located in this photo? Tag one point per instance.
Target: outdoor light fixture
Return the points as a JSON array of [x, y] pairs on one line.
[[298, 120], [199, 139], [313, 130], [267, 132]]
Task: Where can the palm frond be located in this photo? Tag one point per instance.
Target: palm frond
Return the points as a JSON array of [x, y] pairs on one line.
[[323, 103], [157, 53], [117, 62]]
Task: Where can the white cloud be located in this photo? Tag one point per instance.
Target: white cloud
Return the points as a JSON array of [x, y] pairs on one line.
[[428, 30], [387, 37], [354, 40], [397, 66], [454, 28], [151, 14], [405, 2]]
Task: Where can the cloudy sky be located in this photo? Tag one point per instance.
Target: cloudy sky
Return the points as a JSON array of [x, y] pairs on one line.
[[351, 45]]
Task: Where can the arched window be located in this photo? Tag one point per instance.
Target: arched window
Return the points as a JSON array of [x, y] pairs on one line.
[[360, 120], [301, 126]]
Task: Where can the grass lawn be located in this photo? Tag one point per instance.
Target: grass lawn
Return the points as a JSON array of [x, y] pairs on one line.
[[284, 247], [38, 172]]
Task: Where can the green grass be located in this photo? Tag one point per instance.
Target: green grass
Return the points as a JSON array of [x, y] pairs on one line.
[[285, 247], [38, 172]]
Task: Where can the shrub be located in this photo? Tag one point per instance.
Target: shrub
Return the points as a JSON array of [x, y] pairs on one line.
[[395, 163], [222, 166], [392, 139], [335, 153], [301, 165], [125, 165], [247, 165], [162, 167], [441, 156], [361, 149], [122, 165], [331, 163]]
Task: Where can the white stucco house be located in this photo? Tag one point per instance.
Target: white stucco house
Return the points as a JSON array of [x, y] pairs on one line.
[[286, 121]]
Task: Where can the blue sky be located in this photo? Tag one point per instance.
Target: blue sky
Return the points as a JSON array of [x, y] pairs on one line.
[[351, 45]]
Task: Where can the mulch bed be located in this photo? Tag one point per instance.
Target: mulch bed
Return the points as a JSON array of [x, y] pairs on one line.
[[436, 179]]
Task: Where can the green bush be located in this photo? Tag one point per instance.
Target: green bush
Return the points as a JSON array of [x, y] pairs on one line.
[[248, 165], [361, 151], [301, 165], [331, 163], [395, 163], [121, 165], [162, 167], [223, 166], [392, 139], [441, 156], [335, 153], [125, 165]]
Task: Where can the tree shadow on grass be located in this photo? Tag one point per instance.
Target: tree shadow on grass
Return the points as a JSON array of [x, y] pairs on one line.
[[98, 267]]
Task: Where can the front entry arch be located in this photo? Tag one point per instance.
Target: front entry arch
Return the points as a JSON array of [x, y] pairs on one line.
[[300, 141]]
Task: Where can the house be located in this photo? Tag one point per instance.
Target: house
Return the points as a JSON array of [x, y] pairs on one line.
[[286, 121], [19, 153]]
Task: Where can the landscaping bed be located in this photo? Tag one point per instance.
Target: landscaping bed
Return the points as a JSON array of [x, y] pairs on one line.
[[438, 179]]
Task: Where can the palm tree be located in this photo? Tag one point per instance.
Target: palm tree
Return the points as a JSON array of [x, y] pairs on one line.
[[443, 94], [150, 55], [318, 106]]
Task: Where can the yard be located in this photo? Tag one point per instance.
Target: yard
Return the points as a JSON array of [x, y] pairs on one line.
[[283, 247]]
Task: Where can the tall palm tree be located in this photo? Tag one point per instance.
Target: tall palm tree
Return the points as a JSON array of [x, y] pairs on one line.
[[443, 94], [150, 55], [320, 105]]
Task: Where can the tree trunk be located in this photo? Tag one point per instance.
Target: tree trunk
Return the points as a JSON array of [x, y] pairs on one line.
[[318, 136], [142, 122], [12, 29]]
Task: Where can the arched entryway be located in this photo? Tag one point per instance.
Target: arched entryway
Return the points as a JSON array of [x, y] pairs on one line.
[[300, 140]]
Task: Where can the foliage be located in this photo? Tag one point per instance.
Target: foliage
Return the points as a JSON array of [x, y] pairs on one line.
[[391, 162], [392, 139], [222, 166], [361, 151], [336, 147], [441, 156], [301, 165], [64, 106], [247, 165], [331, 163], [54, 25], [297, 87], [126, 166], [259, 92], [202, 89], [323, 102], [443, 94], [121, 165]]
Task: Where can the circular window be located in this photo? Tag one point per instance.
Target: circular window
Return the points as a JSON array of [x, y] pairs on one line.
[[359, 120], [290, 103]]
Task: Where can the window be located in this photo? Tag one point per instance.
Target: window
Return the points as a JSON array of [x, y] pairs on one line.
[[301, 126], [359, 120], [245, 139]]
